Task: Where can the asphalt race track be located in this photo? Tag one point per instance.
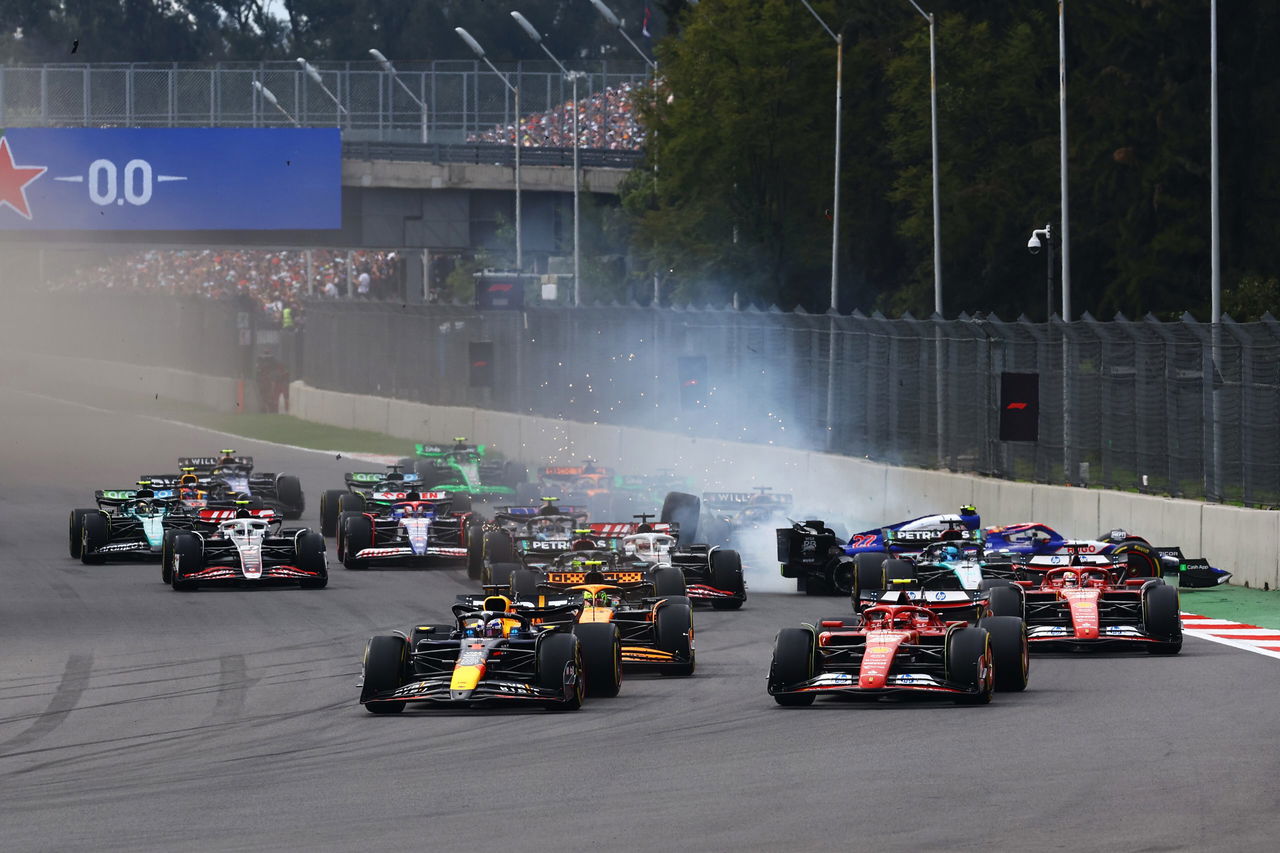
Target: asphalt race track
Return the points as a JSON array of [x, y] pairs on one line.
[[133, 717]]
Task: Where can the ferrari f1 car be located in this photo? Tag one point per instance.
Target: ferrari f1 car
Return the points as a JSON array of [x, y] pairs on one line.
[[1033, 538], [491, 655], [1080, 601], [422, 529], [466, 468], [234, 474], [250, 546], [898, 649], [654, 619], [810, 551]]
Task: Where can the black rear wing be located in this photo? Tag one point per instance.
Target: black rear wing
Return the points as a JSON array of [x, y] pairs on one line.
[[205, 464]]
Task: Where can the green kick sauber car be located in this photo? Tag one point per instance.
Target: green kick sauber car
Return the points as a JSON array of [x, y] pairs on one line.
[[463, 467]]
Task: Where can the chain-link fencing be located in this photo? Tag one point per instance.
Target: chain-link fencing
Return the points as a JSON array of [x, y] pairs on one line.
[[446, 101]]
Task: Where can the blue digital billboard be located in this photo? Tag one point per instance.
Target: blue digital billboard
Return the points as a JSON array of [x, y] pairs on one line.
[[170, 179]]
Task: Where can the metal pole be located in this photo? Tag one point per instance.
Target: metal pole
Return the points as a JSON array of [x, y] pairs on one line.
[[519, 230], [937, 217], [311, 280], [835, 202], [1215, 259], [577, 294], [1048, 303], [1062, 122]]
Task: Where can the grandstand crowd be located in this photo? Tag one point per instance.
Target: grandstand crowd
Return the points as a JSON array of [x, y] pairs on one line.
[[273, 280], [606, 120]]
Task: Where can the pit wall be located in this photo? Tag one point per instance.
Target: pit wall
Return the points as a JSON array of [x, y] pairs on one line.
[[1243, 541]]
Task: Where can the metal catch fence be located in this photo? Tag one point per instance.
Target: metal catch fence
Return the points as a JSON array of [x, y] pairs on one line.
[[444, 102], [1136, 407]]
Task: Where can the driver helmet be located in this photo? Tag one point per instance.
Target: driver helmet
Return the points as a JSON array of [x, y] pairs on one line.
[[645, 528], [583, 545], [951, 553], [243, 513], [602, 598], [1069, 579], [493, 628], [143, 507]]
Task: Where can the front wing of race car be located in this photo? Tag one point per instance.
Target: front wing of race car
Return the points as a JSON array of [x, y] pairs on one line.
[[401, 553], [436, 690]]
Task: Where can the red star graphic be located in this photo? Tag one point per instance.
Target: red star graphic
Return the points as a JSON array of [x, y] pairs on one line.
[[14, 180]]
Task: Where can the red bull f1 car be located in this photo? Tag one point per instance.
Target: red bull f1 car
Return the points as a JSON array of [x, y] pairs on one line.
[[491, 655]]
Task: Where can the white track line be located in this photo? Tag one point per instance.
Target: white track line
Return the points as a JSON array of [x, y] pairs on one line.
[[364, 457]]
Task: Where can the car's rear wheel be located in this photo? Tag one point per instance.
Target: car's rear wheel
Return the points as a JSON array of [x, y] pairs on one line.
[[524, 582], [556, 654], [289, 493], [95, 532], [1008, 636], [968, 664], [385, 662], [674, 628], [868, 572], [1141, 559], [683, 509], [498, 548], [357, 534], [329, 511], [601, 657], [726, 575], [668, 580], [900, 574], [1160, 616], [792, 664], [310, 558], [500, 574], [1006, 601], [475, 552], [350, 502]]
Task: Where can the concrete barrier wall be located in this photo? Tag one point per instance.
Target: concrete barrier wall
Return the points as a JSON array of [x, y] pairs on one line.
[[165, 383], [1243, 541]]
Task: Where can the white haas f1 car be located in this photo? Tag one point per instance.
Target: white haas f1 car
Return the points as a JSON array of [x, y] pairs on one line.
[[243, 546]]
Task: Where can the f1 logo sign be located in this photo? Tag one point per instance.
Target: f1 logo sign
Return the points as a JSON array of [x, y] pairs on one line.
[[1019, 406]]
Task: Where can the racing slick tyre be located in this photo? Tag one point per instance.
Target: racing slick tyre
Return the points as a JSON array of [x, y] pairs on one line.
[[342, 524], [475, 552], [1008, 635], [384, 664], [668, 580], [95, 531], [968, 663], [524, 582], [77, 530], [726, 574], [557, 653], [501, 574], [166, 556], [792, 664], [674, 627], [459, 501], [186, 554], [601, 657], [901, 571], [329, 511], [289, 493], [350, 502], [683, 509], [1142, 560], [1160, 617], [430, 473], [356, 534], [498, 547], [1007, 601], [868, 572], [310, 558]]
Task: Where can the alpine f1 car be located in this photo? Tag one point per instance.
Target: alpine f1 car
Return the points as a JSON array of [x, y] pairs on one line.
[[243, 546], [422, 529], [1038, 539], [810, 551], [1082, 601], [491, 655], [230, 473], [373, 490], [654, 619], [466, 468], [898, 649]]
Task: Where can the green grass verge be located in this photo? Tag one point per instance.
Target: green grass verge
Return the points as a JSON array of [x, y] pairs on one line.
[[1237, 603]]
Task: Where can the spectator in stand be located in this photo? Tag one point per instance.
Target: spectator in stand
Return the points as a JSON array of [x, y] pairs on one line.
[[606, 120]]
